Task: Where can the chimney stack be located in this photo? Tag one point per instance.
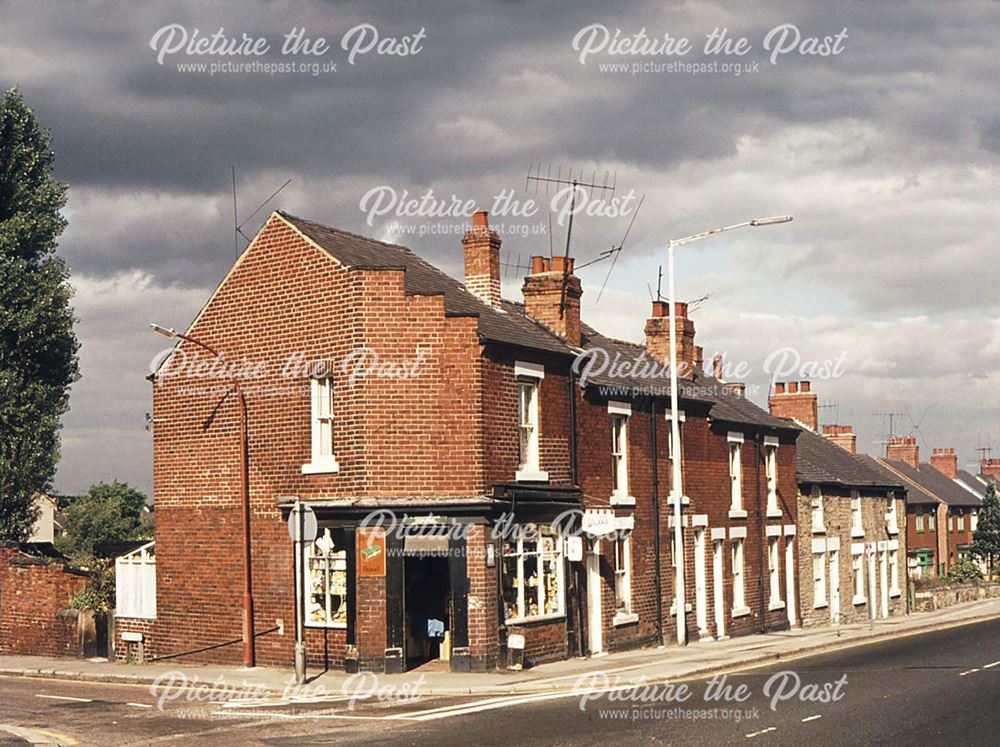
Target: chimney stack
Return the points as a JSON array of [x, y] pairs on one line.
[[717, 366], [945, 461], [658, 338], [903, 449], [797, 401], [482, 260], [547, 301], [843, 436], [990, 468]]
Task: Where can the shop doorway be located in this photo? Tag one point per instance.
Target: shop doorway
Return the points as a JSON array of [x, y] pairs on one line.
[[426, 609]]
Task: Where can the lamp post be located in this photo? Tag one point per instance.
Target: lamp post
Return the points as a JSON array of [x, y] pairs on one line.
[[676, 486], [249, 653]]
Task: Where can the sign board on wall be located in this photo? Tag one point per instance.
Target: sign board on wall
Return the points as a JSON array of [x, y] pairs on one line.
[[371, 553], [597, 522]]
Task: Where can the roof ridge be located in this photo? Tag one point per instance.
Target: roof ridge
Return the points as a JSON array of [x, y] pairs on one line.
[[351, 234]]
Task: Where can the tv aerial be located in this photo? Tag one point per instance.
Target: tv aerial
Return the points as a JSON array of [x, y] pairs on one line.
[[237, 225]]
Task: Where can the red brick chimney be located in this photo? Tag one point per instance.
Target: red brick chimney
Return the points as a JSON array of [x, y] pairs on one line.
[[945, 461], [796, 401], [482, 259], [546, 301], [903, 449], [717, 366], [990, 468], [843, 436], [658, 338]]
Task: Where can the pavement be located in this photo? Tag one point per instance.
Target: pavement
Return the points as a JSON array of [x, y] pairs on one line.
[[668, 662]]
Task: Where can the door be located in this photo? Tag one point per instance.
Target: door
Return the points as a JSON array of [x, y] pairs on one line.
[[835, 586], [790, 578], [720, 597], [700, 583], [595, 638]]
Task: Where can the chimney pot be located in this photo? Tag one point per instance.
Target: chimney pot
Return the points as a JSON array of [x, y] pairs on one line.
[[804, 386], [660, 309], [538, 265], [779, 387], [481, 219], [562, 264]]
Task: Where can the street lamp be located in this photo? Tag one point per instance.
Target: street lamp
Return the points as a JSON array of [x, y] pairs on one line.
[[249, 654], [676, 488]]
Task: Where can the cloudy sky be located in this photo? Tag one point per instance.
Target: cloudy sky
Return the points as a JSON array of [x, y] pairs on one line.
[[885, 152]]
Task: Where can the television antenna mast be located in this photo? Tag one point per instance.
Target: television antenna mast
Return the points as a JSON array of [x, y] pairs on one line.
[[237, 225]]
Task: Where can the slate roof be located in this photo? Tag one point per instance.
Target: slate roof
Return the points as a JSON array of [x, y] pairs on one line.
[[822, 462], [511, 326], [935, 483]]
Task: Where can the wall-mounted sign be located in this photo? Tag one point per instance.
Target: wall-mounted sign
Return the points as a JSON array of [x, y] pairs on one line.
[[574, 549], [491, 555], [371, 553], [598, 521]]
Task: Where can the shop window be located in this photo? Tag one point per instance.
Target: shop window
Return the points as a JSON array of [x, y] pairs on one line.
[[326, 579], [321, 454], [532, 574]]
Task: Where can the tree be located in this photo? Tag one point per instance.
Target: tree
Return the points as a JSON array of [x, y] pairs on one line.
[[108, 512], [38, 349], [986, 539]]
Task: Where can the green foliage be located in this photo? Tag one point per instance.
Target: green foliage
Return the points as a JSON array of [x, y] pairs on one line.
[[38, 349], [986, 539], [965, 570], [99, 593], [109, 512]]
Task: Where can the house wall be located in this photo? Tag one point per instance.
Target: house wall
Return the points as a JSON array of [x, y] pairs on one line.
[[838, 534]]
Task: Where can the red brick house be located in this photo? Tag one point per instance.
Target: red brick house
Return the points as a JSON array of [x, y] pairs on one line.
[[475, 481]]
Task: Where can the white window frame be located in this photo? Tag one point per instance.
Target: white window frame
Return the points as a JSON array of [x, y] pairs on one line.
[[735, 443], [327, 563], [819, 579], [771, 471], [536, 534], [894, 590], [135, 583], [775, 602], [623, 579], [857, 519], [738, 568], [892, 517], [620, 413], [818, 516], [681, 418], [322, 459], [528, 378]]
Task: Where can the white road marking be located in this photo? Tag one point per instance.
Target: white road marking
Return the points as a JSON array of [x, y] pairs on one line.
[[751, 735], [139, 705], [64, 697], [969, 671], [991, 665], [812, 718]]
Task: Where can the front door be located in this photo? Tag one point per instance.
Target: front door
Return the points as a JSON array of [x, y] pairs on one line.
[[595, 638], [700, 583], [426, 608], [719, 601]]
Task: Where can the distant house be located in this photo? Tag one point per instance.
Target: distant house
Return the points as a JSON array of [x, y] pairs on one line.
[[951, 518], [47, 526]]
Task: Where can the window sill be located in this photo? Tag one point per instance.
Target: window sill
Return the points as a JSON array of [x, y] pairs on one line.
[[320, 468], [741, 611], [673, 608], [776, 605], [534, 619], [774, 513], [895, 593], [737, 514], [820, 605], [625, 618], [331, 626], [618, 499], [859, 601], [527, 475], [125, 616], [857, 534], [893, 530], [685, 500], [819, 530]]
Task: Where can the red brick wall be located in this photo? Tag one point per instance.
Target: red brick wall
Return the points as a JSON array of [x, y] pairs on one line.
[[32, 592]]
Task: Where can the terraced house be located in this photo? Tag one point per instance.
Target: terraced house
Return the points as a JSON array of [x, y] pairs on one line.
[[484, 488], [852, 546]]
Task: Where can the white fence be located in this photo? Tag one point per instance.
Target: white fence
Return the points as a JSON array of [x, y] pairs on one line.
[[135, 583]]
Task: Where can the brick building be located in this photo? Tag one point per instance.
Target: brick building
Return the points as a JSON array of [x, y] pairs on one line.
[[850, 520], [941, 511], [477, 481]]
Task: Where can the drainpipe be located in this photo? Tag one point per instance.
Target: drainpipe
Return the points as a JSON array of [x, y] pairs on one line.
[[658, 581], [760, 534]]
